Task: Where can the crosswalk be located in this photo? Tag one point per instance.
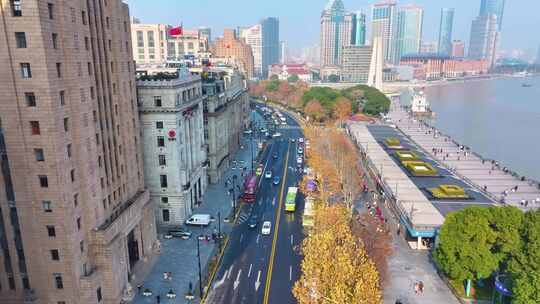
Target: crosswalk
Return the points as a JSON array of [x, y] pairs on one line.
[[244, 216], [289, 127]]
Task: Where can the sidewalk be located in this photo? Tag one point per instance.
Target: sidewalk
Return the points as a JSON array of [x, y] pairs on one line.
[[180, 256]]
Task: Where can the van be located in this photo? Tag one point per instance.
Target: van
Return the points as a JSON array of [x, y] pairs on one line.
[[199, 220]]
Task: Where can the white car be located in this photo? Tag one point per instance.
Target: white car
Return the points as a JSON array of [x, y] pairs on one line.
[[300, 150], [283, 123], [277, 134], [299, 160], [268, 174], [301, 140], [266, 227]]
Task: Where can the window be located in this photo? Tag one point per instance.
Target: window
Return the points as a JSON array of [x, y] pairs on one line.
[[26, 71], [59, 69], [58, 281], [72, 175], [54, 37], [107, 23], [161, 141], [68, 150], [83, 15], [20, 39], [30, 98], [50, 8], [47, 206], [11, 282], [72, 12], [89, 65], [92, 93], [66, 124], [159, 124], [40, 156], [34, 126], [79, 69], [163, 181], [75, 199], [110, 45], [162, 160], [16, 8], [43, 181], [165, 214], [78, 223], [86, 43], [157, 101], [55, 255], [98, 294], [62, 98], [51, 231], [164, 200], [26, 283], [81, 246]]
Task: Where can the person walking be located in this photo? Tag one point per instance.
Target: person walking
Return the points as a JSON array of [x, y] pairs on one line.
[[158, 299]]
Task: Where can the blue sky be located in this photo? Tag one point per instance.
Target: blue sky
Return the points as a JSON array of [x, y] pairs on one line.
[[299, 19]]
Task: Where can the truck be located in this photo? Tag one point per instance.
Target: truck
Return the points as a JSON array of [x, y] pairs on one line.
[[199, 220]]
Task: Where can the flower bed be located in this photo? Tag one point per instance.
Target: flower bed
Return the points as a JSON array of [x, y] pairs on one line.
[[448, 191], [419, 168], [406, 155]]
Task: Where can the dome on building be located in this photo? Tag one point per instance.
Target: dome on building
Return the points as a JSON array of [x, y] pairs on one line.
[[335, 6]]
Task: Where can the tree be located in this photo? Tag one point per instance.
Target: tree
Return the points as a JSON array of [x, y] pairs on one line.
[[283, 91], [342, 108], [507, 223], [335, 267], [315, 110], [524, 266], [272, 86], [466, 244], [333, 78], [293, 78], [274, 77]]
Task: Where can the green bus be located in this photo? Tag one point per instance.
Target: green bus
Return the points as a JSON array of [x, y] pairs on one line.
[[290, 200]]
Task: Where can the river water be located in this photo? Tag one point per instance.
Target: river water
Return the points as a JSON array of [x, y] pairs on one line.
[[498, 118]]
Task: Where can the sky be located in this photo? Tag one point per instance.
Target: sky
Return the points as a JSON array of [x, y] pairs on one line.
[[299, 19]]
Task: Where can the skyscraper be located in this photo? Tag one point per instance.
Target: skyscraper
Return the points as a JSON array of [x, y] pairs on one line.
[[484, 36], [336, 32], [458, 49], [205, 32], [75, 217], [253, 36], [270, 43], [229, 46], [282, 52], [383, 26], [495, 7], [445, 31], [408, 32], [359, 29]]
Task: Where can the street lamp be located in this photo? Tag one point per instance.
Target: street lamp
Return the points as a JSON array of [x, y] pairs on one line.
[[233, 192], [199, 258]]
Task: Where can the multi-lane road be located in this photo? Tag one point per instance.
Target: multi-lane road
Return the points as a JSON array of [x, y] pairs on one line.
[[260, 268]]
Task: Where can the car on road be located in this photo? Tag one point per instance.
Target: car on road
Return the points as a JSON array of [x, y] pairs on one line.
[[293, 140], [268, 174], [283, 123], [259, 171], [178, 232], [199, 220], [276, 180], [301, 140], [300, 150], [275, 155], [248, 131], [266, 227], [299, 160], [277, 134], [253, 221]]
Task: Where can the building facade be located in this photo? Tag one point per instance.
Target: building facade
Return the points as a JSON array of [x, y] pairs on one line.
[[284, 71], [253, 36], [270, 43], [205, 33], [458, 49], [493, 7], [229, 46], [76, 220], [383, 18], [336, 32], [428, 47], [484, 38], [356, 61], [445, 31], [439, 66], [171, 112], [359, 29], [408, 32]]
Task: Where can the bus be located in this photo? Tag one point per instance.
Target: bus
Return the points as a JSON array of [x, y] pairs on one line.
[[290, 199], [309, 213], [250, 188]]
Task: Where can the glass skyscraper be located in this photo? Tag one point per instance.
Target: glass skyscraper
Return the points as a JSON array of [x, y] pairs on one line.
[[445, 31], [270, 43], [495, 7], [408, 31], [336, 33], [383, 24], [359, 29]]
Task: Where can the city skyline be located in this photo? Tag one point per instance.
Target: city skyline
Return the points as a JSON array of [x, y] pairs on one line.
[[297, 35]]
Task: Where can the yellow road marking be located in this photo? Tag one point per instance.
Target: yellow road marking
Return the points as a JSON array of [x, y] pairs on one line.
[[276, 230]]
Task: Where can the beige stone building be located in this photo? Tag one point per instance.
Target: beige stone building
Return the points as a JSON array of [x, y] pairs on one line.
[[229, 46], [75, 219]]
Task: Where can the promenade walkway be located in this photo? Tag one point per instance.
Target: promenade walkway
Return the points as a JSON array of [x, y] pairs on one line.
[[495, 180]]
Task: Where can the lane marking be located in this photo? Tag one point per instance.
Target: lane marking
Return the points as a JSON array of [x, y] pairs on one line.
[[258, 237], [292, 239], [249, 272], [290, 273], [220, 282], [276, 230], [241, 237], [274, 201], [230, 271], [237, 282], [258, 282]]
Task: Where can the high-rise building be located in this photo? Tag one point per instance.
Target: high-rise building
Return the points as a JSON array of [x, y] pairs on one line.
[[445, 31], [253, 36], [270, 43], [171, 112], [408, 31], [458, 49], [359, 29], [336, 32], [206, 32], [229, 46], [383, 26], [76, 220], [484, 36], [356, 60], [495, 7], [428, 47], [282, 52]]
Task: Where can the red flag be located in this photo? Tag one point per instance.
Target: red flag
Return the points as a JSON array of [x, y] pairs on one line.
[[176, 31]]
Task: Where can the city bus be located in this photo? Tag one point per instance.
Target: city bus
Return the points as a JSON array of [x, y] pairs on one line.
[[250, 188], [290, 199]]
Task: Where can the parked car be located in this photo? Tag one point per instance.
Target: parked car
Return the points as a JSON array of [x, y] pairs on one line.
[[276, 180], [266, 227], [299, 160], [268, 174], [253, 221], [199, 220], [259, 171], [178, 232], [275, 155], [301, 140], [300, 150], [277, 134]]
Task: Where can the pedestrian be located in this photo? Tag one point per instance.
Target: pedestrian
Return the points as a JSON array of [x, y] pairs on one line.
[[139, 287], [421, 287], [416, 287], [158, 299]]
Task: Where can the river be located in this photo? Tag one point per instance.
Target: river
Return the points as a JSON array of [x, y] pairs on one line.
[[498, 118]]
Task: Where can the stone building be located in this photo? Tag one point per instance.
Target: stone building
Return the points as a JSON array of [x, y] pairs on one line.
[[230, 46], [75, 218], [173, 140], [356, 61]]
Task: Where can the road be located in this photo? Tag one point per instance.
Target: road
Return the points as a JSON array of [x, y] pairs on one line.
[[263, 268]]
